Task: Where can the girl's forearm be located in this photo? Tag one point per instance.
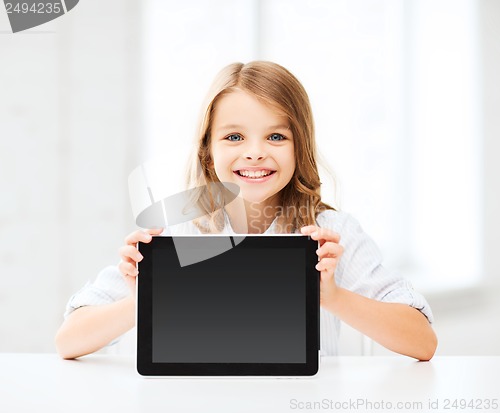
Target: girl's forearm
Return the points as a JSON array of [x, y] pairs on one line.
[[90, 328], [398, 327]]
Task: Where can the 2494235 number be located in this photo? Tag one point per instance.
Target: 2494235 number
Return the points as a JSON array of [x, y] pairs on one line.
[[470, 404], [35, 8]]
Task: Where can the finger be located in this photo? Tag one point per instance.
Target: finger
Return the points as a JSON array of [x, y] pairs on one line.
[[330, 249], [141, 236], [130, 252], [129, 260], [128, 269], [136, 236], [309, 229], [324, 234], [327, 264]]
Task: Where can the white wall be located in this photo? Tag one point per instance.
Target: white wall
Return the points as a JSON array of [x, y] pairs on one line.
[[69, 131], [490, 35], [467, 321]]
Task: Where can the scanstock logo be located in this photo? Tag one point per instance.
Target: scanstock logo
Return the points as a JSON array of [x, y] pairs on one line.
[[25, 14], [155, 206]]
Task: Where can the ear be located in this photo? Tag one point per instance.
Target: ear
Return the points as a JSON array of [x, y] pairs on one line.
[[210, 163]]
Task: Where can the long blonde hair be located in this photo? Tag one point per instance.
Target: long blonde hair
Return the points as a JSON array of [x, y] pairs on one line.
[[275, 86]]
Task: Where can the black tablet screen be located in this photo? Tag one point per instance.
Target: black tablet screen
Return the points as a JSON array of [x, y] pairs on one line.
[[246, 305]]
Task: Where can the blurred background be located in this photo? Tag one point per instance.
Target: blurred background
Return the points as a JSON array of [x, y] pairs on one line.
[[406, 100]]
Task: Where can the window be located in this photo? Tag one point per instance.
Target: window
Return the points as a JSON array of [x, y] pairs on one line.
[[394, 90]]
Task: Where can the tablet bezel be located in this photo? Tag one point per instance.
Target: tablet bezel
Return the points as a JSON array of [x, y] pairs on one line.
[[144, 311]]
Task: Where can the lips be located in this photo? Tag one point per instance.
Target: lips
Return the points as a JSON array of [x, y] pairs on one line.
[[254, 173]]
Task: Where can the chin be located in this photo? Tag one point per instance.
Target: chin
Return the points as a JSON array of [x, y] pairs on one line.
[[255, 199]]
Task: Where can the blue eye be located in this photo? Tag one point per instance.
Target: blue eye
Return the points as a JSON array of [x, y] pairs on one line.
[[276, 137], [235, 137]]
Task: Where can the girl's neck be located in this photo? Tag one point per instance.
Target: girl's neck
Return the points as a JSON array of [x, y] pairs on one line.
[[251, 217]]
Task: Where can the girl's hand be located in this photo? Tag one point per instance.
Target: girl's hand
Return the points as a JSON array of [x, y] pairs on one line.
[[130, 255], [329, 253]]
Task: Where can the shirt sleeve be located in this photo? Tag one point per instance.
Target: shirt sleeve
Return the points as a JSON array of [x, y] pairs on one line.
[[360, 268], [108, 287]]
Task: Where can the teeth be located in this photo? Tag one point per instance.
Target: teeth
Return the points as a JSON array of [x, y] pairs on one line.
[[254, 174]]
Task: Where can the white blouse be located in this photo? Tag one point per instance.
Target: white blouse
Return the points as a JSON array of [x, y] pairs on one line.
[[359, 270]]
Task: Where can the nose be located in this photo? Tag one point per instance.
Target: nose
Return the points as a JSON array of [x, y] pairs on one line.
[[251, 157], [254, 152]]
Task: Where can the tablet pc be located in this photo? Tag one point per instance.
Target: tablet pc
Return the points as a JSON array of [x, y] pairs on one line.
[[252, 310]]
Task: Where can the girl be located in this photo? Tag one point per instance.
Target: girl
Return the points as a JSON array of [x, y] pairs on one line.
[[257, 132]]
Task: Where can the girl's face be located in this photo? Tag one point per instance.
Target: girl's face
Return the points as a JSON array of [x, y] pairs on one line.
[[252, 146]]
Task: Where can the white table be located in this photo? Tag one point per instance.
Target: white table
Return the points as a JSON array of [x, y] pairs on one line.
[[101, 383]]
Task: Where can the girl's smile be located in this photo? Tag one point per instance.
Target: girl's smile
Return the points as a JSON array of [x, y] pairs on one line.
[[252, 146], [254, 175]]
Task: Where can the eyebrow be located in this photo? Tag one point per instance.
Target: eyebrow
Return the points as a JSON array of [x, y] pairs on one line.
[[234, 126]]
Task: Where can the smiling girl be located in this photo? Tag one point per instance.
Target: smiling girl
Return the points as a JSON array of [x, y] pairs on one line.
[[257, 132]]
